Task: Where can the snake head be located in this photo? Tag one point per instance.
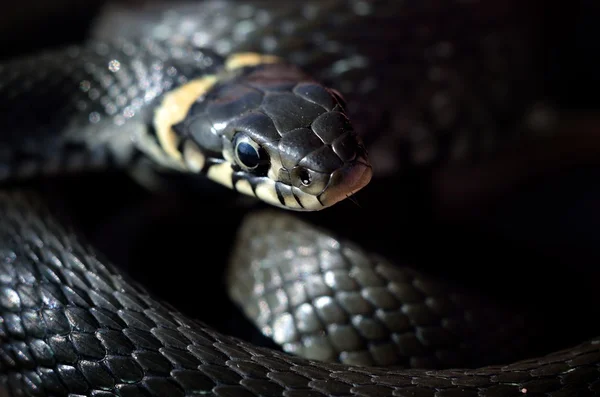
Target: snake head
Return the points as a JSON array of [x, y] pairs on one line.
[[270, 131]]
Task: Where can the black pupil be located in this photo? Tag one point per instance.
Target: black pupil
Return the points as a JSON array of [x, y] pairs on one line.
[[248, 155]]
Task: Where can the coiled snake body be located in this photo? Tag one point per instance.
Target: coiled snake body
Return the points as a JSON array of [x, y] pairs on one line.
[[74, 325]]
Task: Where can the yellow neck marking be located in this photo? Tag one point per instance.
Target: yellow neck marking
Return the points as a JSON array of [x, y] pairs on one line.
[[243, 59], [176, 104], [173, 109]]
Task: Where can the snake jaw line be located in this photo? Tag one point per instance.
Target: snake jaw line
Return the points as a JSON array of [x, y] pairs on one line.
[[346, 182]]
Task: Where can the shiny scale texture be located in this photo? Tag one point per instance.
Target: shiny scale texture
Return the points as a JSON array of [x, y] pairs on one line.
[[291, 116], [74, 325], [83, 107], [327, 299]]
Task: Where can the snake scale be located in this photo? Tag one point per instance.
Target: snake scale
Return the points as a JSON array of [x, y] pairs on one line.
[[168, 98]]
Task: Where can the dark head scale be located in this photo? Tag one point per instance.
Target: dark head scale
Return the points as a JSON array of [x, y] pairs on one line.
[[271, 131]]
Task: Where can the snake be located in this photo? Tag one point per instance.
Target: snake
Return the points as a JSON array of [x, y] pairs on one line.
[[275, 125]]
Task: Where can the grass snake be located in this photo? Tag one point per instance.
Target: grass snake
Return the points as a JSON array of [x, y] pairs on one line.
[[185, 94]]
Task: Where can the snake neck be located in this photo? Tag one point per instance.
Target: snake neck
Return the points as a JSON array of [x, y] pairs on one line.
[[91, 106]]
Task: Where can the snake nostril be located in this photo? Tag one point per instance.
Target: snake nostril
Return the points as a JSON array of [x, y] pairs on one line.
[[304, 176], [308, 180]]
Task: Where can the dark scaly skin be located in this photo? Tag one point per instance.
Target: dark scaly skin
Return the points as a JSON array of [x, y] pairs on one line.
[[72, 323], [322, 297], [75, 109], [432, 82], [93, 106], [567, 376]]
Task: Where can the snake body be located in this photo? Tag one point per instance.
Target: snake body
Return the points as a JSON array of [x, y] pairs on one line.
[[75, 325]]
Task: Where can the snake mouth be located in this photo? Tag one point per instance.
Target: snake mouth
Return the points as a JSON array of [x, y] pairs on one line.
[[346, 181], [343, 182]]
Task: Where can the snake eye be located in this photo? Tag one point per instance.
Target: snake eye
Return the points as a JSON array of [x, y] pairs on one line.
[[248, 154]]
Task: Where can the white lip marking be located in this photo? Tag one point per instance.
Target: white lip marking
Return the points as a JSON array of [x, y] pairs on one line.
[[243, 186], [266, 192], [221, 173], [309, 202]]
